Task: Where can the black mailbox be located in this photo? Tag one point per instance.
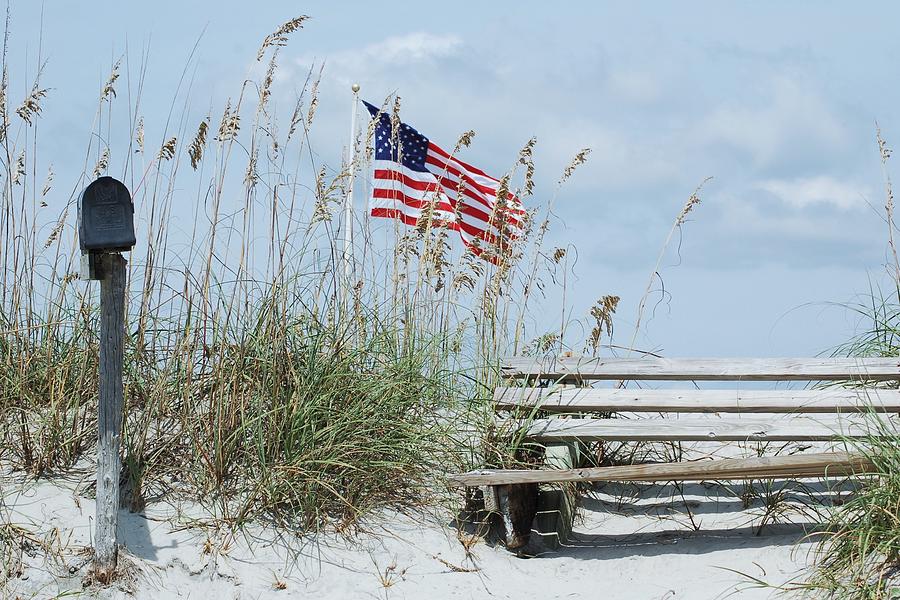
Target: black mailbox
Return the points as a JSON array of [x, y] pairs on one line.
[[105, 217]]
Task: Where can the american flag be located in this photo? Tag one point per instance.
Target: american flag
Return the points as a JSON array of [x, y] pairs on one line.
[[415, 180]]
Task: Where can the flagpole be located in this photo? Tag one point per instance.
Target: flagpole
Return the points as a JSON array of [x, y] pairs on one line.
[[348, 201]]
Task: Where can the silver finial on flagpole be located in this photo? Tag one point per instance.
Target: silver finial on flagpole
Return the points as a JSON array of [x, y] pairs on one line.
[[355, 88]]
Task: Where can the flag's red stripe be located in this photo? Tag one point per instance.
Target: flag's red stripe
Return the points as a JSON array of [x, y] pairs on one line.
[[389, 175], [393, 213], [421, 188], [396, 213], [418, 204], [410, 201], [438, 150], [452, 190], [451, 187], [445, 161], [452, 169], [474, 185]]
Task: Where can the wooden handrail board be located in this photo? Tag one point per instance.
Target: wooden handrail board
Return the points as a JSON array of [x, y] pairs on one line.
[[698, 401], [706, 369], [833, 464], [801, 429]]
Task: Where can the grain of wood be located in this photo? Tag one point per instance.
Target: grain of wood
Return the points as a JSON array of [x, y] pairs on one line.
[[706, 369], [698, 401], [112, 329], [801, 429], [829, 464]]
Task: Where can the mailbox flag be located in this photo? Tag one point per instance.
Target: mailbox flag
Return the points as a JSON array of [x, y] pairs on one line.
[[415, 179]]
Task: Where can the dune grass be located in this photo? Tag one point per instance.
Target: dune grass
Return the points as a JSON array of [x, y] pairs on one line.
[[859, 556], [261, 375]]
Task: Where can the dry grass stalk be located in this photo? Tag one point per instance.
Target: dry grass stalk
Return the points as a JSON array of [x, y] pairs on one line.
[[230, 124], [102, 163], [692, 201], [464, 141], [577, 161], [18, 171], [167, 152], [195, 152], [139, 135], [266, 89], [251, 177], [602, 312], [48, 182], [885, 153], [57, 229], [31, 106], [526, 158], [279, 36], [109, 90], [4, 117]]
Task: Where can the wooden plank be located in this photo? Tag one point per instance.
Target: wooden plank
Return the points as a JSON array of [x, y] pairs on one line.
[[698, 401], [801, 429], [831, 464], [706, 369]]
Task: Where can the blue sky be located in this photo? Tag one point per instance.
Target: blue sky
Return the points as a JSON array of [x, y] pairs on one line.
[[777, 102]]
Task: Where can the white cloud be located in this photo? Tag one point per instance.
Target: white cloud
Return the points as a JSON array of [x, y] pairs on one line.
[[788, 115], [391, 53], [412, 47], [803, 192]]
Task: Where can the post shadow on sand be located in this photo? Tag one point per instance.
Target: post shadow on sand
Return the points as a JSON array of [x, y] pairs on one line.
[[134, 535], [133, 531]]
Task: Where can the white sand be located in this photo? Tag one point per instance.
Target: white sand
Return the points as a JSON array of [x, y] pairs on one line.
[[643, 549]]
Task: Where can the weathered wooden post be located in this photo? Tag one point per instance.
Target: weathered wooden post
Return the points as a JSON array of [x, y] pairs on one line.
[[105, 229]]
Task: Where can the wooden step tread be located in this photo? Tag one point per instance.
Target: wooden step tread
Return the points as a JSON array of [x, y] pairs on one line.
[[829, 464], [557, 399], [801, 429], [706, 369]]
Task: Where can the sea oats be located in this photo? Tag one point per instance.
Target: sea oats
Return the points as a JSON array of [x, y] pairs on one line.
[[250, 175], [109, 90], [279, 36], [48, 182], [230, 124], [57, 229], [395, 124], [314, 98], [4, 84], [195, 152], [885, 152], [266, 90], [102, 163], [408, 245], [692, 201], [139, 135], [31, 106], [526, 158], [579, 160], [321, 211], [167, 151], [18, 170], [296, 119], [602, 313], [464, 141], [883, 149]]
